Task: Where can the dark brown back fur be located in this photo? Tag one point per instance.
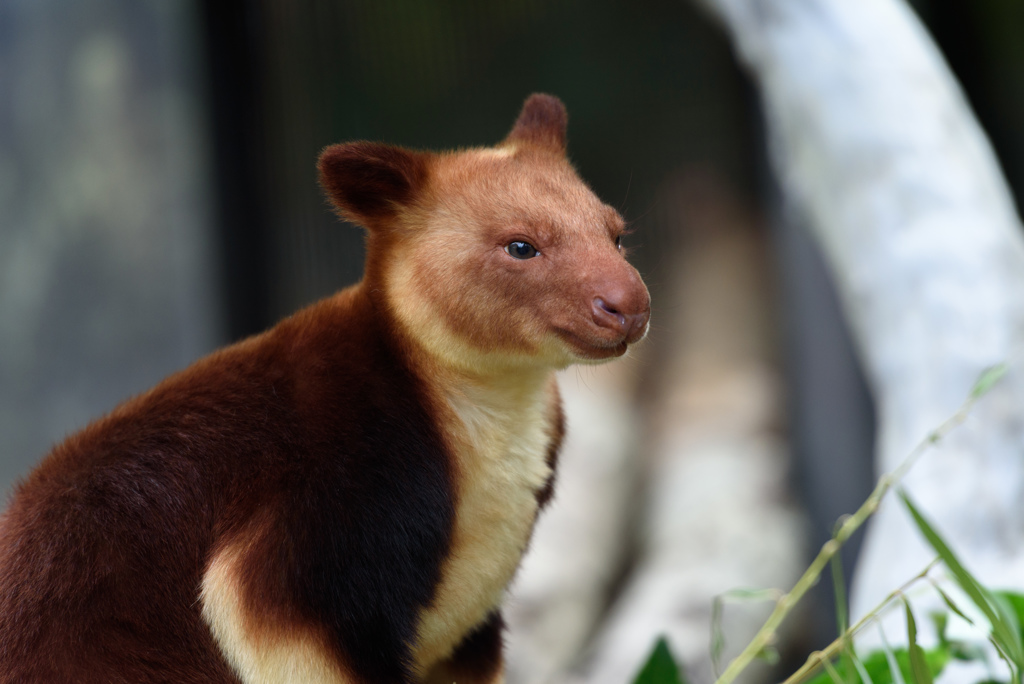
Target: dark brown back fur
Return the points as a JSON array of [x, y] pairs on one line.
[[105, 544]]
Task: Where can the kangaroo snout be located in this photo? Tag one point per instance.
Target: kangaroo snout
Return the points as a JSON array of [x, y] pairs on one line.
[[618, 314]]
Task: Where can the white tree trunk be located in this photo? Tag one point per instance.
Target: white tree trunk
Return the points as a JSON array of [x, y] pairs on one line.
[[716, 514], [873, 140]]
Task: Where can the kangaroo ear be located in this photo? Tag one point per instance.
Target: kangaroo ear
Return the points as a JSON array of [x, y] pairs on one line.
[[368, 181], [542, 122]]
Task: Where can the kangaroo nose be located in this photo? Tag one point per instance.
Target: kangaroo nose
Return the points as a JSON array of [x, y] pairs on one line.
[[608, 315]]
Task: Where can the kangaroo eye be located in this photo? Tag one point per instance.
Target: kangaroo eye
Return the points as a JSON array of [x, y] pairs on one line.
[[521, 250], [618, 242]]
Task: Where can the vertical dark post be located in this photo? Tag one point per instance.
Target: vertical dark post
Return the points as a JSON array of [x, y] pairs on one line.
[[232, 32]]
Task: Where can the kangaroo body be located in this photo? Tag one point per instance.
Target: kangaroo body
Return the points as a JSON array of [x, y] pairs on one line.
[[345, 497]]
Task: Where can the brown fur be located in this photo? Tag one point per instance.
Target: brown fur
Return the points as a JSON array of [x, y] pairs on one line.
[[345, 497]]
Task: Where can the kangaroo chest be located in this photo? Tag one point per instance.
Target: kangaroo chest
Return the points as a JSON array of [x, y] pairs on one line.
[[501, 462]]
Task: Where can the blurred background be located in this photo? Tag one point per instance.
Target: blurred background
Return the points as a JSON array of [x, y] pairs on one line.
[[158, 199]]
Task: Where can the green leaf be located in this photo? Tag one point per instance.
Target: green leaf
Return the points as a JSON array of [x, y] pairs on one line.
[[769, 654], [750, 595], [988, 378], [953, 607], [962, 650], [1015, 602], [941, 621], [918, 664], [739, 595], [717, 636], [842, 619], [832, 673], [862, 671], [1005, 630], [661, 667], [1008, 611], [895, 671], [876, 668]]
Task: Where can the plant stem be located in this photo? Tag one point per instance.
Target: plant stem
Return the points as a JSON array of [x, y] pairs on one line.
[[833, 649], [786, 602]]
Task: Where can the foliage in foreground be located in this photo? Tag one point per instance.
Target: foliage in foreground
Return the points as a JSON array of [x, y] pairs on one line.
[[661, 667], [1003, 611], [904, 665]]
